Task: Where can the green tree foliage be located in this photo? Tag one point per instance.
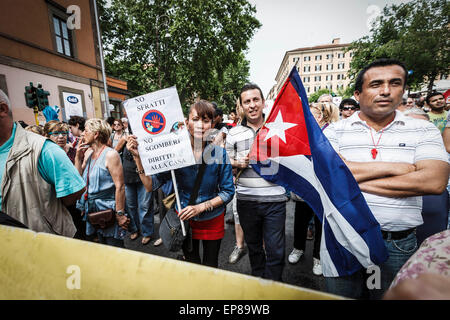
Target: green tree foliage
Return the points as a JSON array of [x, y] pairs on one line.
[[315, 96], [416, 33], [204, 55]]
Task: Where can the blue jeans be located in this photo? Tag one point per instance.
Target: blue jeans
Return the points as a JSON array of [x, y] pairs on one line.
[[355, 285], [264, 221], [138, 203]]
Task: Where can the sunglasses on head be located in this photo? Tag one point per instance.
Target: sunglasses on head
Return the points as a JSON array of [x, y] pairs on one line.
[[349, 108]]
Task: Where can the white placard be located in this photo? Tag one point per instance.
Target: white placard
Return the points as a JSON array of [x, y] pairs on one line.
[[72, 105], [337, 100], [157, 121]]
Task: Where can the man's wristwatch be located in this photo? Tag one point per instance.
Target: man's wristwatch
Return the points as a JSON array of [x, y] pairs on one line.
[[120, 212]]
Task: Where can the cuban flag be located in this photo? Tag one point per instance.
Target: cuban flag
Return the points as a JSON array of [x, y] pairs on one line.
[[291, 151]]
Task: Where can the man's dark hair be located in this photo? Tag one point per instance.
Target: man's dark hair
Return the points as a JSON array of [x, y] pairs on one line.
[[379, 63], [250, 86], [218, 112], [74, 120], [348, 102], [431, 95], [110, 120]]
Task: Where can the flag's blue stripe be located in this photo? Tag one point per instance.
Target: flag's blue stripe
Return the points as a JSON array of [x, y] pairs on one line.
[[344, 261], [339, 183]]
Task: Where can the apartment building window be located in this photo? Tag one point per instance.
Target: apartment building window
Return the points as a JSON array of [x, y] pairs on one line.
[[318, 67], [351, 54], [341, 55], [329, 77], [306, 69], [63, 38], [316, 88], [329, 56], [307, 89], [295, 59], [318, 57], [329, 86], [330, 66], [341, 65], [306, 79], [307, 58], [317, 78]]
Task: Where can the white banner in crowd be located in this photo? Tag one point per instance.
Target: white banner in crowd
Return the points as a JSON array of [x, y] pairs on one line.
[[157, 121]]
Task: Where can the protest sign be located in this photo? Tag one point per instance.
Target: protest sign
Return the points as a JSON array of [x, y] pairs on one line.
[[157, 121]]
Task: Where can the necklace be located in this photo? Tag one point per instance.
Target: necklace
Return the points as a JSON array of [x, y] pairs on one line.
[[374, 150]]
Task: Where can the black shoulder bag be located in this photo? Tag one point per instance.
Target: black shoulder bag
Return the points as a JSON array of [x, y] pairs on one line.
[[170, 229]]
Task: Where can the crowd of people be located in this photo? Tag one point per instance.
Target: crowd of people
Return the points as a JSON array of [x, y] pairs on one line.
[[396, 147]]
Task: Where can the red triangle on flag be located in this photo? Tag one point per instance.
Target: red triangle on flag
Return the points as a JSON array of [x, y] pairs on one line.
[[293, 130]]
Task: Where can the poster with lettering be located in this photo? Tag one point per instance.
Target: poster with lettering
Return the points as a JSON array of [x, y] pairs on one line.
[[157, 121]]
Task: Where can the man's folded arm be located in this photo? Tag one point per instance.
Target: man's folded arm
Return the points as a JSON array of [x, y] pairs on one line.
[[430, 177]]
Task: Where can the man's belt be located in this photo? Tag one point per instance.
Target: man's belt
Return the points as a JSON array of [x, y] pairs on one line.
[[397, 235]]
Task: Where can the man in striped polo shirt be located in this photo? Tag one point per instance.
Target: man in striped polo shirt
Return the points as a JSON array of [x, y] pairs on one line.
[[261, 205], [395, 160]]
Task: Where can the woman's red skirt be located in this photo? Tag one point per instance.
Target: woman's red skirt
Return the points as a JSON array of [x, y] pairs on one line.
[[213, 229]]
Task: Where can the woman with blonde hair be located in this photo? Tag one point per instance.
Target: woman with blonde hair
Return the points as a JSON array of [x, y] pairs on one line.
[[324, 113], [58, 132], [36, 129], [103, 174]]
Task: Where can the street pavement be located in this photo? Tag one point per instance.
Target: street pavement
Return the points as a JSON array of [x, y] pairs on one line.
[[299, 274]]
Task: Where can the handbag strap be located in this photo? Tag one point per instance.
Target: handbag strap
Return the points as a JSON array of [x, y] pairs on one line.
[[197, 183]]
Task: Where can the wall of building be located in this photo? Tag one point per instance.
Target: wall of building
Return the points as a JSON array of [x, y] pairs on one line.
[[297, 58], [29, 22], [17, 79]]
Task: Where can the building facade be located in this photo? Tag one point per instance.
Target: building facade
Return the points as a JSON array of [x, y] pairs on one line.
[[41, 43], [320, 67]]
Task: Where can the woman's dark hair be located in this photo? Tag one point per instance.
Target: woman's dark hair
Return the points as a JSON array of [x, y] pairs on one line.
[[119, 121], [378, 63], [204, 109], [74, 120], [348, 102]]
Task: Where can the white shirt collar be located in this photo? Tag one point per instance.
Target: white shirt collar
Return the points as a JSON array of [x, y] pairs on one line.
[[399, 118]]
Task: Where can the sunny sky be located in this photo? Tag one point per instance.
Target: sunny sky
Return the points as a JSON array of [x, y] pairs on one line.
[[292, 24]]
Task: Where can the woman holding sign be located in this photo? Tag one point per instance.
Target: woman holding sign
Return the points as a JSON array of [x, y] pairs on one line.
[[206, 216]]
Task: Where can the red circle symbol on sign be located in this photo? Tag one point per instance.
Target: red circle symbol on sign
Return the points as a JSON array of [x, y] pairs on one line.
[[153, 122]]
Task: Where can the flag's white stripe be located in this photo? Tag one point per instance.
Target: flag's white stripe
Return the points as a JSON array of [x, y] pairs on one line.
[[342, 230], [328, 268]]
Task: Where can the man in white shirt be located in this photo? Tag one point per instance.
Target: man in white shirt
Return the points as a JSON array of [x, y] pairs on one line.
[[395, 161]]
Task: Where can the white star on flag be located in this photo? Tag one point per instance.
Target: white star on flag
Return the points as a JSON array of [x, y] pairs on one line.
[[278, 128]]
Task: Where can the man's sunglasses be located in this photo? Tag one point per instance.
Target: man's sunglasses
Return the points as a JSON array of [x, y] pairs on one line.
[[349, 108]]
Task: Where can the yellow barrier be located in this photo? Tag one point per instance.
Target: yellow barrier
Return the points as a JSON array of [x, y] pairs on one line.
[[44, 266]]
